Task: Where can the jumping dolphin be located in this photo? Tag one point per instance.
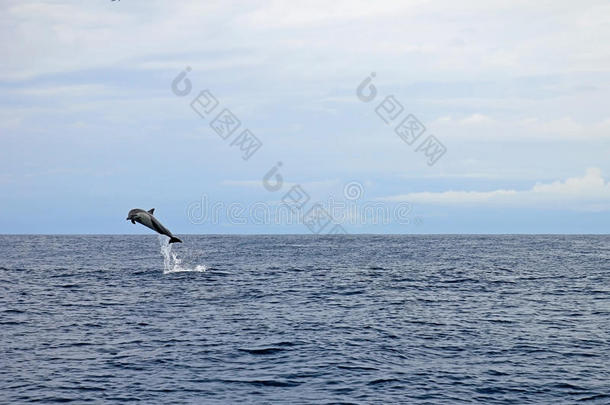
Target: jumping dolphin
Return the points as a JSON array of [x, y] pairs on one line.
[[147, 219]]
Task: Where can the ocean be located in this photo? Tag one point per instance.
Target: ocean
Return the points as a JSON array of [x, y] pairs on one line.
[[304, 319]]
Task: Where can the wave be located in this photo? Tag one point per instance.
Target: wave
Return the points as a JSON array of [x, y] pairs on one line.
[[171, 262]]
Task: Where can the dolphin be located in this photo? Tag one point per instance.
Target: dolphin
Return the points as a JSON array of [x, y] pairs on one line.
[[147, 219]]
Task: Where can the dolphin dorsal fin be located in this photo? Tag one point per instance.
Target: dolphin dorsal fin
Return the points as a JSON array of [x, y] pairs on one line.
[[151, 211]]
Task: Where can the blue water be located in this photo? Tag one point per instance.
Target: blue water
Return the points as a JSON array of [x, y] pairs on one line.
[[305, 319]]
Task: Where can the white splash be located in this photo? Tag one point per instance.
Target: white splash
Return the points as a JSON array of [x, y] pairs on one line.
[[171, 262]]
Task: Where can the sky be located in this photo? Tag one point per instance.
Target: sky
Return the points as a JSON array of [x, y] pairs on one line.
[[111, 105]]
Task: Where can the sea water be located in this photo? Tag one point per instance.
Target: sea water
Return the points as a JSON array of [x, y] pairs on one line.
[[305, 319]]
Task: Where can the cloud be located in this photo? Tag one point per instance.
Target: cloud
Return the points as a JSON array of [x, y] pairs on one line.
[[66, 90], [243, 183], [476, 119], [590, 193], [279, 14], [567, 127], [427, 37], [315, 186], [481, 126]]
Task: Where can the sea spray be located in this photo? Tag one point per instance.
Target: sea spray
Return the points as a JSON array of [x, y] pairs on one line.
[[171, 262]]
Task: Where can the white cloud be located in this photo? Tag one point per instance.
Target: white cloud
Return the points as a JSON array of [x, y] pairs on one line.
[[243, 183], [314, 186], [281, 14], [567, 127], [476, 119], [331, 38], [481, 126], [589, 192], [67, 90]]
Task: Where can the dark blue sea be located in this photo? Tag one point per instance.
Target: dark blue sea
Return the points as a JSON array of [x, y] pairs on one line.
[[305, 319]]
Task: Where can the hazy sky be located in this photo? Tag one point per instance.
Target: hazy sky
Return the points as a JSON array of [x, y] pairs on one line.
[[516, 91]]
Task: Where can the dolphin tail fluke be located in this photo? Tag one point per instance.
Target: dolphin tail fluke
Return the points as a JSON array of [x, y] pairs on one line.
[[173, 239]]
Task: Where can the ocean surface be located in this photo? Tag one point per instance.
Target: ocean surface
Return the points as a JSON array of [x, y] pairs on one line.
[[305, 319]]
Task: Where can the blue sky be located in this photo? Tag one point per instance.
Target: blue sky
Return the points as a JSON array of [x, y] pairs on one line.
[[516, 92]]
